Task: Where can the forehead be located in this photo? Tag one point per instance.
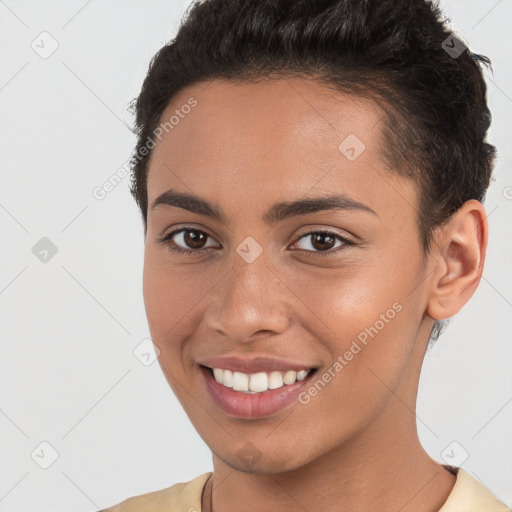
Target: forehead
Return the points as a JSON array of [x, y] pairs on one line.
[[265, 140]]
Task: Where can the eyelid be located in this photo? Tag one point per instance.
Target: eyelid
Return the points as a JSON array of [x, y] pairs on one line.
[[330, 231]]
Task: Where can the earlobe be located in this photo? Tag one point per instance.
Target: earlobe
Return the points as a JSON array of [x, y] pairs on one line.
[[459, 249]]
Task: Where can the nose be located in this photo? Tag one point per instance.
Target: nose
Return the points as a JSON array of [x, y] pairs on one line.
[[249, 303]]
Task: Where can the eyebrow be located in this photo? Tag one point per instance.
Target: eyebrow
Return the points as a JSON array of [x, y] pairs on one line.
[[278, 212]]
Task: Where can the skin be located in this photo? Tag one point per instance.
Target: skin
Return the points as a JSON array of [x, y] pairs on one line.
[[355, 445]]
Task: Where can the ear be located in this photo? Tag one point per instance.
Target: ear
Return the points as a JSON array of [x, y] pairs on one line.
[[459, 252]]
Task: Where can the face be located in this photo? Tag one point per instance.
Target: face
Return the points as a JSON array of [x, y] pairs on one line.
[[336, 290]]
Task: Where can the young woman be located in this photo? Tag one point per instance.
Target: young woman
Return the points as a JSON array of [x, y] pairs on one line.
[[310, 176]]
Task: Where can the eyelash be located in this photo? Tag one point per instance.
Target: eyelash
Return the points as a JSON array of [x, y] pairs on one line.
[[171, 246]]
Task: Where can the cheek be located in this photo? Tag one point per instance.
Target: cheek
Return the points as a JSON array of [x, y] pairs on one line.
[[176, 299], [172, 294], [165, 300], [367, 331], [365, 316]]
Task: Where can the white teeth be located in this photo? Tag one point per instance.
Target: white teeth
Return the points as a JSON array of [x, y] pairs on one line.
[[301, 375], [218, 374], [290, 377], [257, 382], [275, 380], [240, 381], [227, 378]]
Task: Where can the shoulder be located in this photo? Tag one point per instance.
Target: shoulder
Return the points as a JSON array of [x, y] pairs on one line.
[[182, 497], [469, 495]]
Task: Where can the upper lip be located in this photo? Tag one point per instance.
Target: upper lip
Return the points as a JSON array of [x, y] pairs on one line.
[[253, 364]]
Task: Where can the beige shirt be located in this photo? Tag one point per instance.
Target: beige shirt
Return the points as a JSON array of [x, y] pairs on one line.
[[468, 495]]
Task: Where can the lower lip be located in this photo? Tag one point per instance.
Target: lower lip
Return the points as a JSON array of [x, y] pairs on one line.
[[251, 406]]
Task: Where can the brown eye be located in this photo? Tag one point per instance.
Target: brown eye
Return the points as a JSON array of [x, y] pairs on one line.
[[186, 240], [323, 242], [194, 239]]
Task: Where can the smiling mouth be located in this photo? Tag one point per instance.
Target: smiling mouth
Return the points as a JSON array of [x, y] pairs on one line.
[[256, 383], [251, 396]]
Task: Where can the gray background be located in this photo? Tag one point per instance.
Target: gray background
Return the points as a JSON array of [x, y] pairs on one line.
[[69, 326]]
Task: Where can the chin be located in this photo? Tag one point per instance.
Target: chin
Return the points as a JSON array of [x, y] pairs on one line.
[[250, 460]]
